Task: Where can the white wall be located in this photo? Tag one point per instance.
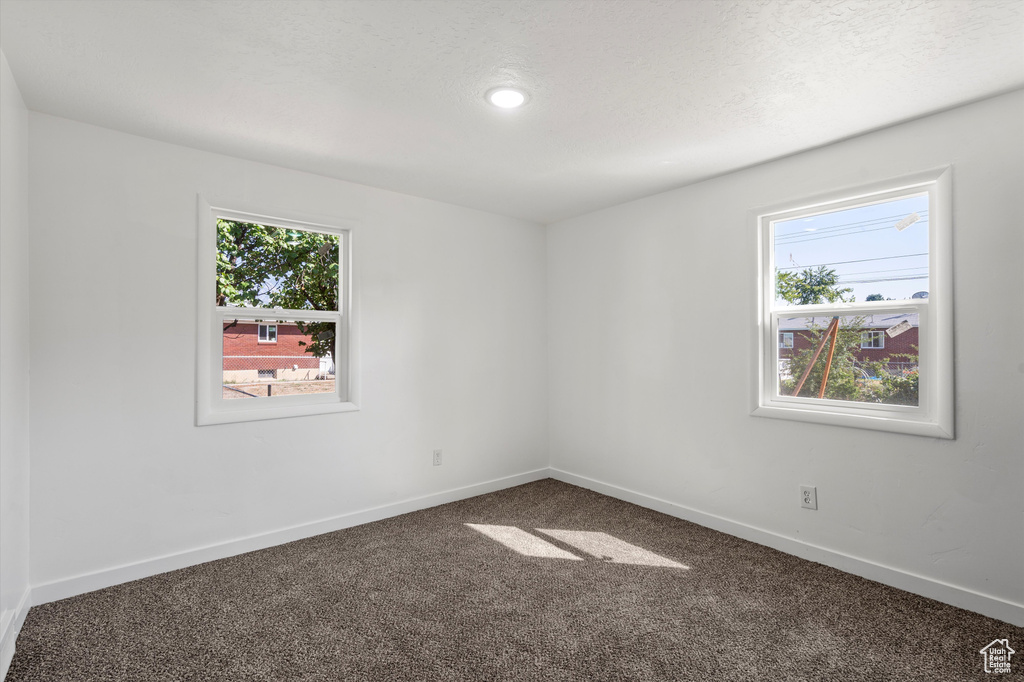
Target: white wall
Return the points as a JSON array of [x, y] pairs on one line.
[[453, 335], [451, 305], [651, 316], [14, 355]]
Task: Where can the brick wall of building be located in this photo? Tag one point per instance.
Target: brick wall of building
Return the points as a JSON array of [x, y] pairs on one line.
[[907, 342], [244, 351]]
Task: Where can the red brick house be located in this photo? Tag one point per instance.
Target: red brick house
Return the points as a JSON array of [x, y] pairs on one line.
[[260, 352], [875, 346]]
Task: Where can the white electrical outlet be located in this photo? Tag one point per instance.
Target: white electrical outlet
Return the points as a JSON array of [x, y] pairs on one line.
[[808, 497], [437, 458]]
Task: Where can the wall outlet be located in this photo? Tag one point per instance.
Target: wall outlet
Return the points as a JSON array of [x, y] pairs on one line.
[[808, 497], [437, 458]]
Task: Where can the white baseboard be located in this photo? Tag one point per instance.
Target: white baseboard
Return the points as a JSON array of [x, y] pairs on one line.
[[80, 584], [10, 625], [986, 605]]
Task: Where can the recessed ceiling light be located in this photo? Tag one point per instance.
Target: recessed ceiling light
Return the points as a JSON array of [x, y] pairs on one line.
[[506, 98]]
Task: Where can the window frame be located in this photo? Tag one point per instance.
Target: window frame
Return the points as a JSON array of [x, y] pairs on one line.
[[259, 333], [934, 415], [210, 406], [783, 339]]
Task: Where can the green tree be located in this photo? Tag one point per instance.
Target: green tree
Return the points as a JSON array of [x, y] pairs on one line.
[[875, 297], [259, 266], [820, 285]]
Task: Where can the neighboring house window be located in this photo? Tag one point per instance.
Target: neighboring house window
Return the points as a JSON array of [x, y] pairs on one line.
[[835, 268], [786, 340], [872, 339], [268, 333], [274, 304]]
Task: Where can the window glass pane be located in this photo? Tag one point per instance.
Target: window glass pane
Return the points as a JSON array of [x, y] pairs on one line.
[[872, 339], [866, 253], [887, 375], [259, 266], [301, 362]]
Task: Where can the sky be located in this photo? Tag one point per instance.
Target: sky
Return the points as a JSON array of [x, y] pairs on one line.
[[863, 246]]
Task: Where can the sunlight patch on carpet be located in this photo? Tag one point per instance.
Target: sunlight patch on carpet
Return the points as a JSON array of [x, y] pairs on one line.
[[611, 549], [599, 545], [520, 541]]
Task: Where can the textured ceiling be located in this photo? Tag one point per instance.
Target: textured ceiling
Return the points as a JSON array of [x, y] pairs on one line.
[[627, 98]]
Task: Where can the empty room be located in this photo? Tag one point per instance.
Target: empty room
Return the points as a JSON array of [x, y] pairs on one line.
[[511, 340]]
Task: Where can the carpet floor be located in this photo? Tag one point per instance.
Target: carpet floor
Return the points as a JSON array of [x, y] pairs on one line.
[[545, 581]]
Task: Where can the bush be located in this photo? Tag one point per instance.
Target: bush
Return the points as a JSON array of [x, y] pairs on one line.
[[900, 387]]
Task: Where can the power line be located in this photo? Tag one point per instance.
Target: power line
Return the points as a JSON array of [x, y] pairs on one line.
[[872, 272], [923, 215], [845, 232], [833, 236], [881, 279], [862, 260], [798, 221]]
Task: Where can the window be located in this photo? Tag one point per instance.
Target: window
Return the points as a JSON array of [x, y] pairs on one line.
[[268, 333], [861, 283], [274, 306], [872, 339]]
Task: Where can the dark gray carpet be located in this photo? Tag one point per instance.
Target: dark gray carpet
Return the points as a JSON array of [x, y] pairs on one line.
[[424, 597]]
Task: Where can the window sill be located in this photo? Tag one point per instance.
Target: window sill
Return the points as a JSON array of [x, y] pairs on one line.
[[858, 421], [275, 411]]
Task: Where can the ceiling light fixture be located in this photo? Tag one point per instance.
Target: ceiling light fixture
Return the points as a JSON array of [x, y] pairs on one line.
[[506, 98]]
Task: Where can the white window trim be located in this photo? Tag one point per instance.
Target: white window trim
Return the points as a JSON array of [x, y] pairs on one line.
[[211, 408], [934, 414], [792, 340], [259, 333], [874, 334]]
